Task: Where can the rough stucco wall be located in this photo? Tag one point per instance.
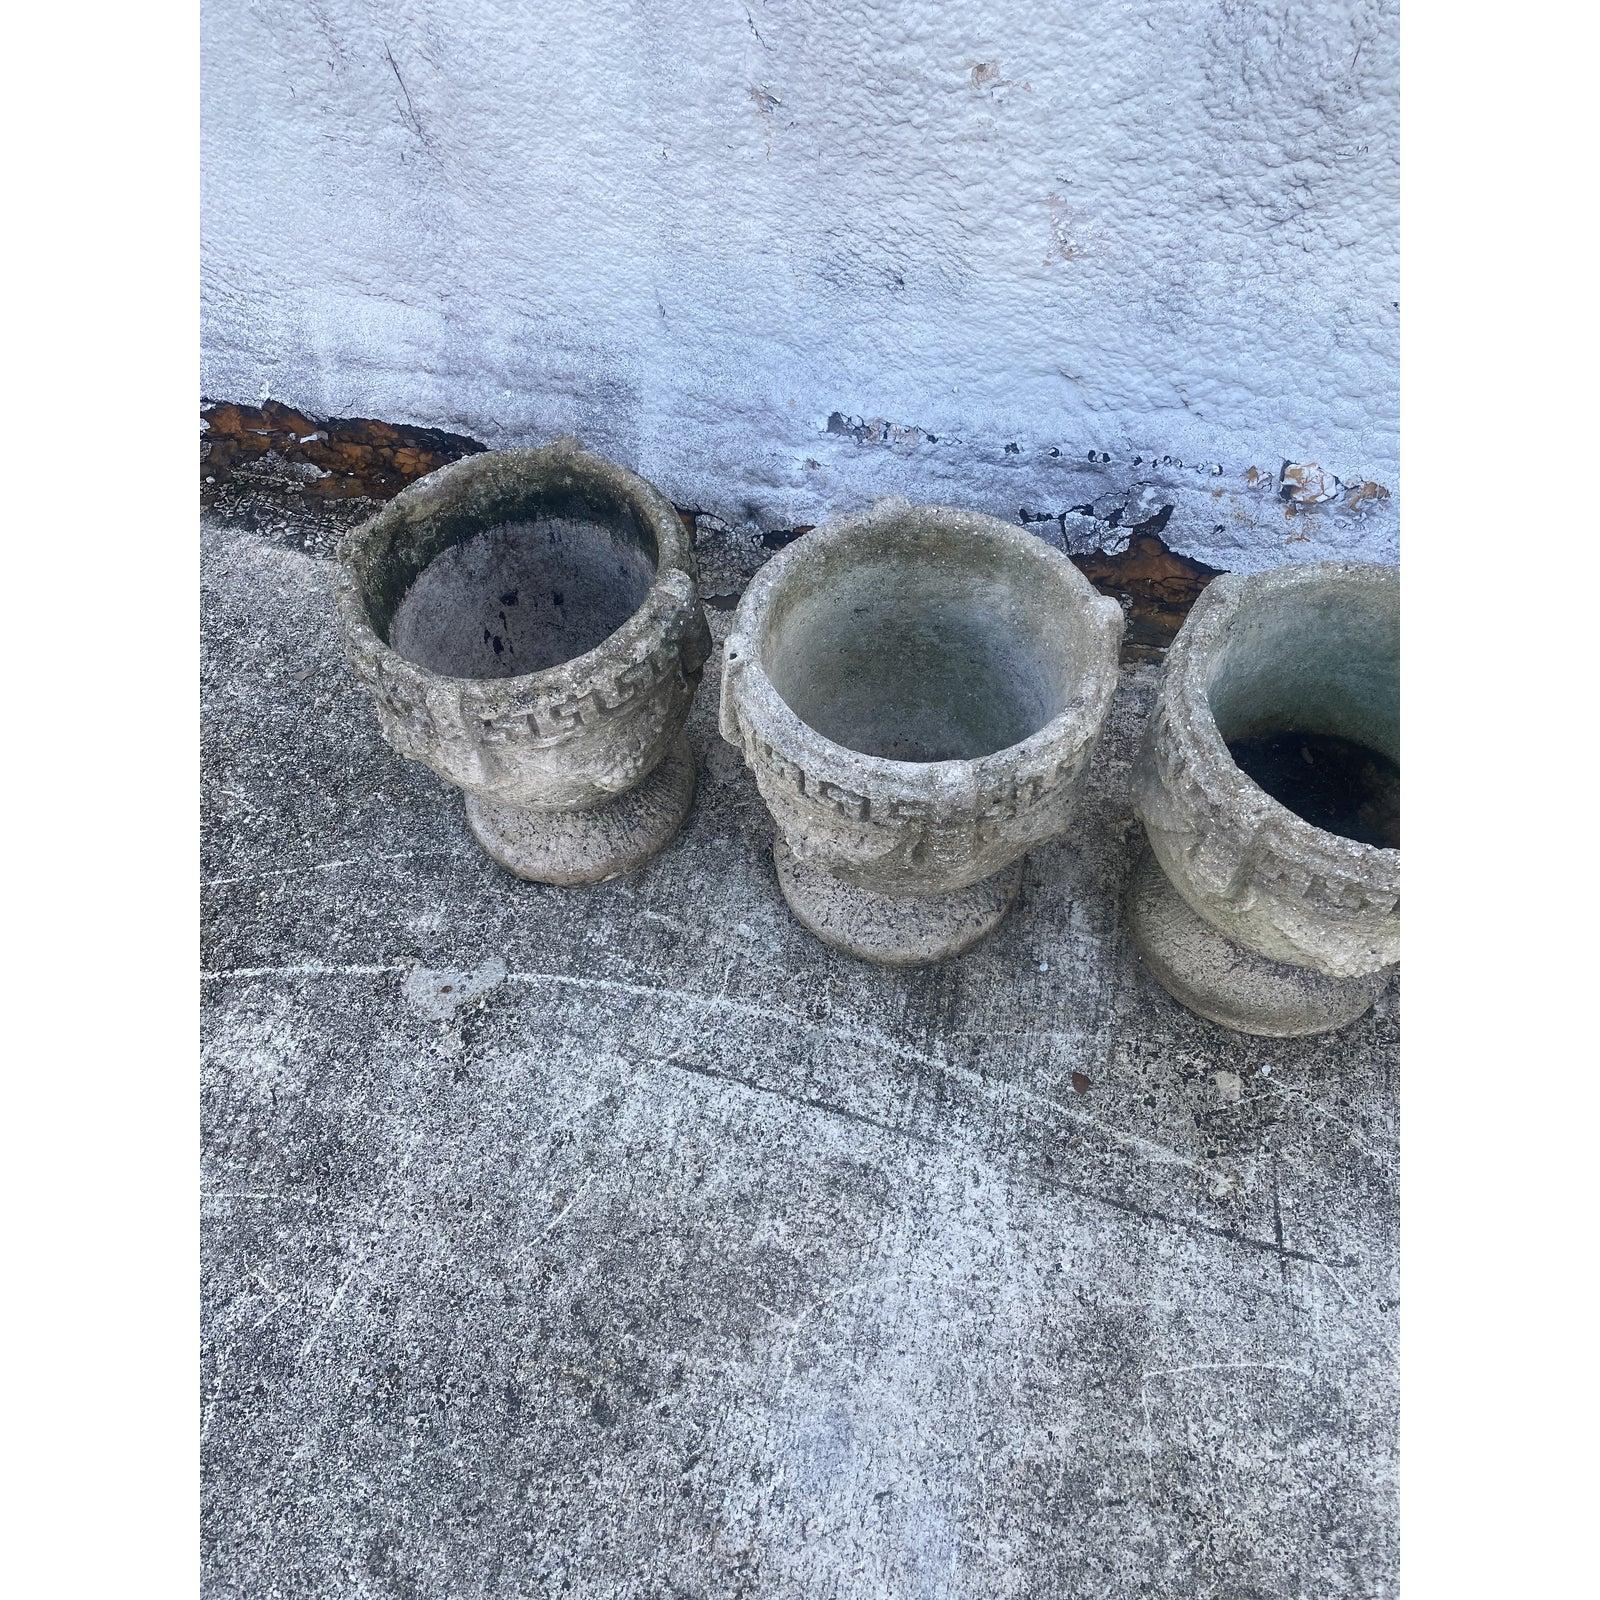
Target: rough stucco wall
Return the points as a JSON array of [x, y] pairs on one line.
[[1030, 259]]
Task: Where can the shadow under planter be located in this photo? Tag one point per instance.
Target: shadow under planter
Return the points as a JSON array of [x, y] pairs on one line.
[[529, 625], [1269, 899], [917, 691]]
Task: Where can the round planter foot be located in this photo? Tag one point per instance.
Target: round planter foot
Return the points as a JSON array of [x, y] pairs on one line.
[[1227, 984], [573, 847], [883, 928]]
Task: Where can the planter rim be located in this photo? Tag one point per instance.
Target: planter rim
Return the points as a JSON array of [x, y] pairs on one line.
[[672, 590], [747, 685], [1206, 757]]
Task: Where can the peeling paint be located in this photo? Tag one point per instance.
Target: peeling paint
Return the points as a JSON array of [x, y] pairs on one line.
[[878, 430], [1307, 484]]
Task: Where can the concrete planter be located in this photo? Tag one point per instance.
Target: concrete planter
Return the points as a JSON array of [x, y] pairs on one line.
[[917, 691], [529, 625], [1275, 912]]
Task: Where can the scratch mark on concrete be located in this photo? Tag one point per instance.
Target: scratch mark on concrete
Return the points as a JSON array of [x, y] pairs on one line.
[[325, 866], [815, 1306], [216, 1389], [277, 1306], [1227, 1366], [1032, 1174], [1277, 1221], [302, 970], [332, 1306], [851, 1030], [1198, 1366], [261, 1194], [559, 1217], [1386, 1158]]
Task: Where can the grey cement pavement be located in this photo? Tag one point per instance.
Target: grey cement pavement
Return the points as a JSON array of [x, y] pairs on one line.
[[626, 1242]]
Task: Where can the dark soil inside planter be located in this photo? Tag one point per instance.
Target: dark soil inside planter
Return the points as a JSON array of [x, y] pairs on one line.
[[1333, 783]]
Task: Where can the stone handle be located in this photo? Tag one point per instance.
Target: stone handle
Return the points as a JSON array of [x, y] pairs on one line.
[[1112, 620]]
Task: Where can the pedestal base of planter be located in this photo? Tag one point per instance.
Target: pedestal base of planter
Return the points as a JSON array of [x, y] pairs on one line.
[[573, 847], [883, 928], [1227, 984]]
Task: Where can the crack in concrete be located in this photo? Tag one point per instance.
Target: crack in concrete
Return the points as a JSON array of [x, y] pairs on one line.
[[1032, 1174]]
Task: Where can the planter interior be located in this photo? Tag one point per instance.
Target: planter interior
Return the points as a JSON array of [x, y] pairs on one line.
[[924, 648], [1305, 692], [513, 582]]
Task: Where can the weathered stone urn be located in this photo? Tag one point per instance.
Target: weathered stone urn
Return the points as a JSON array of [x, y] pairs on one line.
[[1269, 899], [917, 691], [529, 624]]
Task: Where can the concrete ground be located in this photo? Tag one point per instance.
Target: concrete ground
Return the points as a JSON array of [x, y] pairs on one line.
[[626, 1242]]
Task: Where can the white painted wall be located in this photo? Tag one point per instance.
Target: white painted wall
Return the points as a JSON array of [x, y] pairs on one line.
[[692, 230]]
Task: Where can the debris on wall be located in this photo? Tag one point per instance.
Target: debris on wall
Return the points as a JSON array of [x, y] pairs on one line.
[[336, 456], [251, 456]]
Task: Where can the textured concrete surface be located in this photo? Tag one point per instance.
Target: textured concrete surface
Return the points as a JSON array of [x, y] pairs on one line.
[[785, 257], [626, 1242]]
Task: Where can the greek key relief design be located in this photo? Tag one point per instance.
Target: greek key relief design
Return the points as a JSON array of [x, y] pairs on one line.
[[610, 695], [994, 805]]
